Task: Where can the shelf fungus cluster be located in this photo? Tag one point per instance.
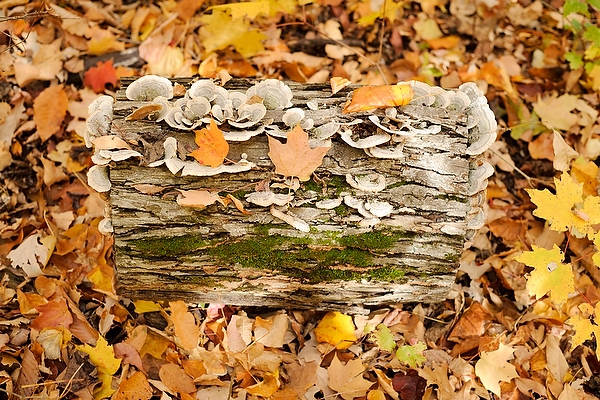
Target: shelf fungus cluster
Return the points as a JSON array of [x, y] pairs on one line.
[[390, 137]]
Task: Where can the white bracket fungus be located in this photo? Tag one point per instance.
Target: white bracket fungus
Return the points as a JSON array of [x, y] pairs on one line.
[[372, 182], [149, 87]]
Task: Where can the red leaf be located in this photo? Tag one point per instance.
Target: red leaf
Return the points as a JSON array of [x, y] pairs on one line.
[[98, 77]]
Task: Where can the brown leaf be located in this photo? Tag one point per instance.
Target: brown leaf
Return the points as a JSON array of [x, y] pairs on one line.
[[49, 110], [143, 112], [373, 97], [29, 375], [136, 387], [175, 378], [296, 158], [212, 146], [197, 198]]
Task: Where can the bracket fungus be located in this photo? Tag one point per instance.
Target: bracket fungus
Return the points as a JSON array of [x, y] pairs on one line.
[[149, 87]]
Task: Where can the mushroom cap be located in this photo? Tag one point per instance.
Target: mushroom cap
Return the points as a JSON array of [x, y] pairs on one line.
[[370, 182], [478, 178], [265, 199], [379, 209], [97, 178], [149, 87], [104, 103], [249, 115], [276, 95], [378, 138], [423, 93]]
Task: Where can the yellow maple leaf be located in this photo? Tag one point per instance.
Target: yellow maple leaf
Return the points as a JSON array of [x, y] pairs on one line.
[[550, 274], [337, 329], [103, 357], [567, 209], [493, 367], [220, 30], [584, 326]]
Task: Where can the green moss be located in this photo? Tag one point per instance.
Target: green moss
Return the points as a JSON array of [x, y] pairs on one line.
[[395, 185], [355, 257], [376, 240], [173, 246], [451, 257], [338, 183], [311, 185], [342, 210], [387, 274]]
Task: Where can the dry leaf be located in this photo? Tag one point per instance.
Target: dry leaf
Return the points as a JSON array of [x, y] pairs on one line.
[[143, 112], [373, 97], [184, 322], [493, 367], [563, 153], [337, 329], [49, 110], [348, 379], [296, 158], [338, 83], [197, 198], [98, 77], [212, 146], [175, 378], [136, 387]]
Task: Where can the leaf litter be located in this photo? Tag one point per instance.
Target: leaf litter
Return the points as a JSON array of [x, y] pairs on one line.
[[508, 329]]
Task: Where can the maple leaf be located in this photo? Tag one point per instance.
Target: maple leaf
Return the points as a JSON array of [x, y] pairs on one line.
[[493, 368], [98, 77], [103, 357], [384, 338], [584, 326], [550, 274], [567, 209], [373, 97], [49, 111], [212, 146], [348, 379], [220, 30], [296, 158]]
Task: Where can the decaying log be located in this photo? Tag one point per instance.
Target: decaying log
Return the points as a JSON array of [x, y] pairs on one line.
[[365, 245]]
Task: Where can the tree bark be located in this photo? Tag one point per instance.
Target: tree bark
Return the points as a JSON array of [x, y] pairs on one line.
[[347, 260]]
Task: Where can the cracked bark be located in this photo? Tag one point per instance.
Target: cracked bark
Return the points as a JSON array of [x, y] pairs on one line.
[[164, 251]]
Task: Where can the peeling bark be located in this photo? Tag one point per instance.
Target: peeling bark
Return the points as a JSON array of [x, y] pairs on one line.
[[164, 251]]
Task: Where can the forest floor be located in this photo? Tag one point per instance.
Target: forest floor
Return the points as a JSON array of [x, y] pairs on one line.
[[65, 332]]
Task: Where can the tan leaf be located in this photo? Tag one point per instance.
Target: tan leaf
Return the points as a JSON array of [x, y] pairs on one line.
[[184, 322], [197, 198], [296, 158], [493, 368], [49, 110], [348, 379], [175, 378]]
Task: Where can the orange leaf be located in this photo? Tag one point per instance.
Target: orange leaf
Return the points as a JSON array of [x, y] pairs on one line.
[[197, 198], [296, 158], [53, 314], [185, 326], [136, 387], [175, 378], [212, 146], [49, 110], [372, 97], [98, 77]]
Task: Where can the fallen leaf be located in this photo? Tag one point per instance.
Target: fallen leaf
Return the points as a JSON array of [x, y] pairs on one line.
[[102, 356], [53, 314], [493, 367], [348, 379], [412, 355], [212, 146], [33, 253], [550, 274], [49, 110], [136, 387], [267, 387], [337, 329], [185, 326], [556, 111], [563, 153], [143, 111], [175, 378], [296, 158], [98, 77], [271, 331], [410, 385], [372, 97], [197, 198], [337, 83]]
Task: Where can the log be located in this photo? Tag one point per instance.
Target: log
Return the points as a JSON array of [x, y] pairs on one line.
[[378, 225]]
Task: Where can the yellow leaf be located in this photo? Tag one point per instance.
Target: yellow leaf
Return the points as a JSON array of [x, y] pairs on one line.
[[567, 209], [219, 31], [337, 329], [348, 379], [267, 387], [251, 9], [584, 326], [372, 97], [103, 278], [102, 356], [550, 274], [144, 306], [493, 367], [557, 111], [105, 390]]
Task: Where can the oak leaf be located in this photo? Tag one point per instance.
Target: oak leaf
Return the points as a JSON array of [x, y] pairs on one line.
[[550, 274], [493, 368], [372, 97], [337, 329], [212, 146], [49, 110], [348, 379], [296, 158]]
